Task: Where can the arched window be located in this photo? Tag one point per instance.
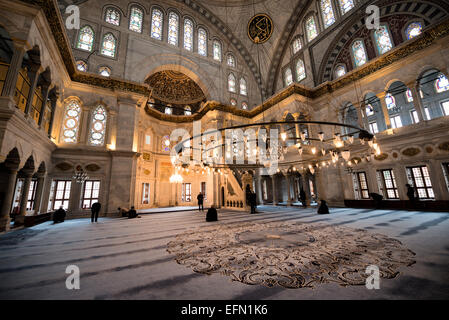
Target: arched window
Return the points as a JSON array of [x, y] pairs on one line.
[[231, 83], [390, 101], [288, 77], [136, 19], [300, 70], [231, 60], [81, 65], [414, 29], [243, 89], [71, 122], [217, 50], [202, 42], [346, 5], [340, 71], [328, 13], [173, 28], [168, 110], [104, 71], [166, 144], [85, 38], [441, 84], [187, 111], [244, 106], [311, 28], [156, 24], [112, 16], [188, 34], [359, 53], [233, 102], [383, 40], [108, 45], [296, 45], [409, 95], [98, 126]]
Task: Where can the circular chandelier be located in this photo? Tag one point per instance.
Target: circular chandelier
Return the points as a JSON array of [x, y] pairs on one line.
[[230, 147]]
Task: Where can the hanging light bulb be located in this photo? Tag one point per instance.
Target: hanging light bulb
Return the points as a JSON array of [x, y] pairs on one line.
[[321, 136], [323, 152], [370, 143], [298, 145], [284, 136], [351, 139], [300, 151], [313, 150], [346, 155], [303, 136]]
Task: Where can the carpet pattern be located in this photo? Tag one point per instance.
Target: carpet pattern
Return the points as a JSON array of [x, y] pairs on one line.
[[290, 255]]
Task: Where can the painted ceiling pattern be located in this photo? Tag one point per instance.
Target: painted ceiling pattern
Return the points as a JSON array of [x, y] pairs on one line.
[[174, 87]]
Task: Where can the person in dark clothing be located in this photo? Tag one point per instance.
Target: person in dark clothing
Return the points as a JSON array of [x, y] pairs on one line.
[[302, 198], [253, 201], [200, 199], [59, 215], [132, 213], [122, 212], [323, 209], [410, 193], [211, 214], [96, 207], [377, 199]]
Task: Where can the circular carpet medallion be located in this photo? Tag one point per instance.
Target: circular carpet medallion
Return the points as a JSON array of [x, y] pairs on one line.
[[290, 255]]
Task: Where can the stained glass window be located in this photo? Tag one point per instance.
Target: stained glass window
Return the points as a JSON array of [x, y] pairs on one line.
[[168, 110], [104, 71], [136, 19], [244, 106], [98, 126], [108, 45], [166, 144], [311, 28], [340, 71], [358, 49], [231, 83], [346, 5], [187, 111], [202, 42], [217, 50], [296, 45], [85, 38], [442, 84], [328, 13], [383, 40], [188, 34], [414, 29], [71, 122], [300, 70], [231, 60], [390, 101], [156, 24], [288, 77], [409, 95], [81, 65], [233, 102], [243, 89], [112, 16], [173, 28], [369, 110]]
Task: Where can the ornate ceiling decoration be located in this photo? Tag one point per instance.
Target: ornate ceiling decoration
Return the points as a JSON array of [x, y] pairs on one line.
[[174, 87], [231, 3], [260, 28]]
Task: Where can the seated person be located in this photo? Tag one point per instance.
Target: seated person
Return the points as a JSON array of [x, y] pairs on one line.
[[132, 213], [123, 212], [211, 214], [323, 209], [377, 199], [59, 215]]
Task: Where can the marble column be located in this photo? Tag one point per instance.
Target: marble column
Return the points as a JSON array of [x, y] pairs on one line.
[[289, 191], [20, 218], [9, 86], [273, 182], [39, 191], [45, 93], [7, 200], [258, 188], [385, 110], [306, 187], [417, 101]]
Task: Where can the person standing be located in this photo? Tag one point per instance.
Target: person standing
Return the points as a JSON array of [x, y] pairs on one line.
[[200, 199], [302, 197], [253, 202], [96, 207]]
